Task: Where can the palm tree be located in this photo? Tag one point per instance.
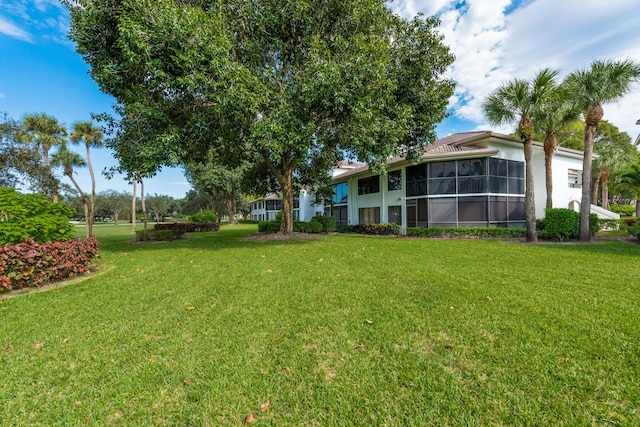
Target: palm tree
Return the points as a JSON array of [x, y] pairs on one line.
[[604, 82], [520, 101], [629, 178], [610, 159], [557, 113], [45, 132], [92, 137], [68, 160]]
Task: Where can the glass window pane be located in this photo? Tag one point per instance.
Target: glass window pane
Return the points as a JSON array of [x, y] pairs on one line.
[[340, 193], [394, 180], [395, 215], [497, 167], [417, 172], [516, 209], [412, 213], [472, 209], [442, 210], [442, 186], [422, 213], [417, 188], [516, 169], [442, 169], [498, 207], [497, 184], [472, 184], [471, 167], [516, 186]]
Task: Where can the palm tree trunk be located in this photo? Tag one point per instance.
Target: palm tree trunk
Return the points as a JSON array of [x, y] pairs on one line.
[[92, 206], [605, 190], [133, 208], [529, 195], [596, 186], [85, 204], [584, 234], [549, 148]]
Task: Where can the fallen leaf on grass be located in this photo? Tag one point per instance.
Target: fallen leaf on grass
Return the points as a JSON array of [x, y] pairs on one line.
[[448, 346], [367, 321], [269, 271], [38, 345], [266, 405], [359, 347], [190, 308], [7, 346], [66, 340], [78, 402], [249, 419], [187, 382]]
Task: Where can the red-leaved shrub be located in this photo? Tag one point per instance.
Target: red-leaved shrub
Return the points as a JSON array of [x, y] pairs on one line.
[[33, 264]]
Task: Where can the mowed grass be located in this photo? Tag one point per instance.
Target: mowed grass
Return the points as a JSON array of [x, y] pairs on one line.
[[336, 331]]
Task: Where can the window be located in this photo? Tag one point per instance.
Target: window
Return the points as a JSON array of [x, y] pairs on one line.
[[472, 211], [442, 169], [340, 193], [442, 178], [395, 215], [340, 212], [417, 180], [369, 185], [417, 213], [394, 180], [274, 205], [575, 178], [443, 212], [368, 216]]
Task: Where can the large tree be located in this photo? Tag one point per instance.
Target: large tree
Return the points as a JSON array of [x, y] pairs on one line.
[[92, 137], [297, 82], [603, 82], [629, 180], [519, 101]]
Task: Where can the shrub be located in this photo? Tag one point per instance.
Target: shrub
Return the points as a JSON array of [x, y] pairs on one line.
[[634, 230], [33, 264], [158, 235], [467, 232], [594, 224], [608, 224], [625, 210], [377, 229], [268, 226], [328, 223], [625, 223], [561, 224], [32, 216], [203, 216], [344, 228], [279, 215]]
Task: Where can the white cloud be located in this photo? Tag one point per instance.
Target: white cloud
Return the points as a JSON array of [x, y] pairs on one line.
[[493, 46], [2, 95], [12, 30]]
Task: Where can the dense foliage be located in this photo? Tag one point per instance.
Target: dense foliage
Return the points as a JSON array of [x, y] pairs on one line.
[[32, 264], [634, 230], [31, 215], [466, 232], [561, 224], [289, 86], [203, 216]]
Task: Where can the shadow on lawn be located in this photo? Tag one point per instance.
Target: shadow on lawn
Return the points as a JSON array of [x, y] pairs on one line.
[[226, 238]]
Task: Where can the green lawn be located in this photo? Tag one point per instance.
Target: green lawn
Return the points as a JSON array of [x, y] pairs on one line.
[[340, 330]]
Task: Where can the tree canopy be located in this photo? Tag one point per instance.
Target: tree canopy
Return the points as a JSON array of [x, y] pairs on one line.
[[288, 85]]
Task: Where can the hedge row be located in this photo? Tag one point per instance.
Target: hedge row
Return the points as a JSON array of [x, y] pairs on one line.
[[562, 224], [466, 232], [318, 224], [189, 227], [635, 230], [33, 264]]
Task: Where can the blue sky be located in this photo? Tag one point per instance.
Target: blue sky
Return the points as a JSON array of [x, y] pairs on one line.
[[493, 40]]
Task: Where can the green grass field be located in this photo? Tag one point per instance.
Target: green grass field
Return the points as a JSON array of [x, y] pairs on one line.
[[335, 331]]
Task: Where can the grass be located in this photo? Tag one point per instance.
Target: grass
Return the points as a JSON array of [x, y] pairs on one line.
[[339, 330]]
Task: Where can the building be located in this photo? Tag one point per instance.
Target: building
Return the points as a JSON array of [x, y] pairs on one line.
[[266, 208], [463, 180]]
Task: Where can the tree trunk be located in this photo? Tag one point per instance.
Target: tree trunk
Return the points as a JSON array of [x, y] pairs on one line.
[[144, 209], [116, 214], [286, 225], [605, 190], [92, 206], [231, 207], [638, 207], [529, 195], [596, 187], [549, 148], [84, 201], [585, 203], [133, 208]]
